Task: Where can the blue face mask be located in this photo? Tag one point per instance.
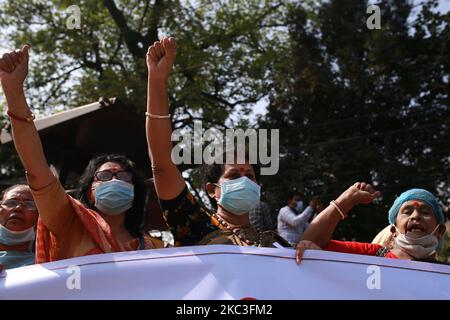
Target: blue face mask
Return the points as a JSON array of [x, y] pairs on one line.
[[13, 238], [114, 197], [239, 195]]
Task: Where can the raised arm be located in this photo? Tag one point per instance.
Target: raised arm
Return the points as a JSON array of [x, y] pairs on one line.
[[169, 182], [295, 221], [322, 227], [13, 71], [51, 199]]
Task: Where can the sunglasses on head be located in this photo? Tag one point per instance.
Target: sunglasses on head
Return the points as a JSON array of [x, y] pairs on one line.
[[13, 203], [107, 175]]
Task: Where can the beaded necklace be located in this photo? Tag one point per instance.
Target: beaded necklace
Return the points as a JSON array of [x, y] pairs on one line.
[[256, 243]]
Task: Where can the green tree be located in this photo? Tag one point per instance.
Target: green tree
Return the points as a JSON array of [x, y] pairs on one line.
[[223, 57], [354, 104]]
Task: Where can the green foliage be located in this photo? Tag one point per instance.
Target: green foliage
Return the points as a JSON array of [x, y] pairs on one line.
[[354, 104], [223, 53], [444, 253]]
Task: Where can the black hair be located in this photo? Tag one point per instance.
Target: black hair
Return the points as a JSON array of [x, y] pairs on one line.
[[135, 216], [292, 194], [213, 172]]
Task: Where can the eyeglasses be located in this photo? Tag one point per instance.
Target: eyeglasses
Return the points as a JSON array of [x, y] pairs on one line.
[[107, 175], [13, 203]]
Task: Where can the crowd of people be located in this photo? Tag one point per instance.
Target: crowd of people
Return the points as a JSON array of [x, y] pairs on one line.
[[41, 222]]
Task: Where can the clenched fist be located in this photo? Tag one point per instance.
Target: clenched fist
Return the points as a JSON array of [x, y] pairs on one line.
[[160, 58], [362, 193], [358, 193], [14, 69]]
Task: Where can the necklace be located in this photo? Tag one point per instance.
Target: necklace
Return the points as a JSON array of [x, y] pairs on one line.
[[256, 243]]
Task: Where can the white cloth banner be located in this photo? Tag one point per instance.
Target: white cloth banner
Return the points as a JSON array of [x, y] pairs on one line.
[[227, 272]]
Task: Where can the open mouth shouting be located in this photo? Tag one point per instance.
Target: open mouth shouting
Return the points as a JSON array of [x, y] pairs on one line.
[[415, 228]]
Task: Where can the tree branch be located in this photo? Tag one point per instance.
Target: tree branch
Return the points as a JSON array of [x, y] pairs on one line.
[[132, 37], [230, 104], [144, 14], [155, 16], [119, 45], [191, 119], [40, 84], [56, 88]]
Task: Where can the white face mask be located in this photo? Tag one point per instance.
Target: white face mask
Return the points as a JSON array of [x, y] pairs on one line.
[[418, 247]]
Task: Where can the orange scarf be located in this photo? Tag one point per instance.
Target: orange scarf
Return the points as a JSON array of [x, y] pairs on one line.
[[98, 229]]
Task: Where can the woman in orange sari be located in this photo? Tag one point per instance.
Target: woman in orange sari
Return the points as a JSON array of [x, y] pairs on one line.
[[110, 214]]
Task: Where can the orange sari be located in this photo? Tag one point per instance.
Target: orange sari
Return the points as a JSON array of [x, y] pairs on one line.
[[97, 228]]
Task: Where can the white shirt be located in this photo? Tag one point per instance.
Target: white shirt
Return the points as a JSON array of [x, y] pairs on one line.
[[291, 225]]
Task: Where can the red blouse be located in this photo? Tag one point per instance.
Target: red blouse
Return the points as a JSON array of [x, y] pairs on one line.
[[368, 249]]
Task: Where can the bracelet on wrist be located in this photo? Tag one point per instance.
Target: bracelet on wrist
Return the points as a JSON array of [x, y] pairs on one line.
[[155, 116], [339, 209], [30, 118]]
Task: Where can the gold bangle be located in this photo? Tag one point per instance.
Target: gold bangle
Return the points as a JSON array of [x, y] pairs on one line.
[[155, 116]]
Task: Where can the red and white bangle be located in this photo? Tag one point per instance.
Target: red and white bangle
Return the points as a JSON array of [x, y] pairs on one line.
[[339, 209], [21, 119]]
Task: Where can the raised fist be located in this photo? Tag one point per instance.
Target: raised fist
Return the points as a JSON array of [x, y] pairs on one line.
[[14, 68], [160, 58], [362, 193]]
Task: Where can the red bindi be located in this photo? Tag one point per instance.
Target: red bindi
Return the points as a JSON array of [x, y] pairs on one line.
[[415, 204]]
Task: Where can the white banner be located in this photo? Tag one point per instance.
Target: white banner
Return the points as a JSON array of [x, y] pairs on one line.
[[227, 272]]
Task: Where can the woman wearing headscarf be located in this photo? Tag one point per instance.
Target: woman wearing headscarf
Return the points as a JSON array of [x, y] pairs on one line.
[[417, 225]]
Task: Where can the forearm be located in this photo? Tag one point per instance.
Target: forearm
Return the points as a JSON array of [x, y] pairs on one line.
[[321, 229], [159, 131], [168, 179], [295, 221], [27, 141], [303, 217]]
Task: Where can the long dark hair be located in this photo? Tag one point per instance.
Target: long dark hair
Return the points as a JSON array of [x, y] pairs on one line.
[[135, 216]]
